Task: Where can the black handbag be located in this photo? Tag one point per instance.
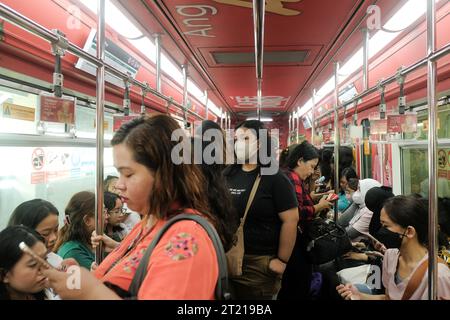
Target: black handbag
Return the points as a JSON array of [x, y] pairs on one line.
[[325, 241]]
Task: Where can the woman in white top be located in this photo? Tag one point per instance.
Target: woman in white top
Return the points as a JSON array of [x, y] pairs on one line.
[[358, 215], [405, 275]]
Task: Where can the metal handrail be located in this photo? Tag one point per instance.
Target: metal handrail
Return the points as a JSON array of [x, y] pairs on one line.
[[27, 24], [422, 63]]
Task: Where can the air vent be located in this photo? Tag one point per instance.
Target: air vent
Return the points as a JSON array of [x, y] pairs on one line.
[[276, 57]]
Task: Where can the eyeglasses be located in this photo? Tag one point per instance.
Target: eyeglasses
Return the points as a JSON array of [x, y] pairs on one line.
[[122, 211]]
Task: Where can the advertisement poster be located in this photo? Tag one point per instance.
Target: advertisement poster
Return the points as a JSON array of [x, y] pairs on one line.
[[378, 126], [443, 158], [398, 123], [58, 110]]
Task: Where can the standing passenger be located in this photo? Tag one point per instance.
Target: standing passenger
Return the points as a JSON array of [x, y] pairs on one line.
[[184, 263], [301, 162], [270, 227]]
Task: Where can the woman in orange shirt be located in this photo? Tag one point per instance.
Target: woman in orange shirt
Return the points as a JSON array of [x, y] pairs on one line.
[[184, 263]]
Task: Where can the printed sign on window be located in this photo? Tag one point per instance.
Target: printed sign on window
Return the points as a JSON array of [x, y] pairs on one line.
[[54, 109], [14, 111]]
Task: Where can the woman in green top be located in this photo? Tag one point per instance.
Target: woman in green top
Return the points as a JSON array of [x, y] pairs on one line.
[[74, 238]]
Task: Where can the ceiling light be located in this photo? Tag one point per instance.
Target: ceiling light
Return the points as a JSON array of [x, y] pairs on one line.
[[262, 119], [115, 19]]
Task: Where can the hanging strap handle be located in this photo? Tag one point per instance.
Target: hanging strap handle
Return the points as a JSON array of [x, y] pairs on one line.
[[221, 291]]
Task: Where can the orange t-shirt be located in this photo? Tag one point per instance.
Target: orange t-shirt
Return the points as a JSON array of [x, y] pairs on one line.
[[183, 265]]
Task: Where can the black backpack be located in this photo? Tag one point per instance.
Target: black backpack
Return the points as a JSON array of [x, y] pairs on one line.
[[221, 292]]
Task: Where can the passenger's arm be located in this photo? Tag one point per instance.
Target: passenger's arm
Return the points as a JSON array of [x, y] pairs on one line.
[[349, 292], [288, 235], [353, 233], [78, 284], [322, 205]]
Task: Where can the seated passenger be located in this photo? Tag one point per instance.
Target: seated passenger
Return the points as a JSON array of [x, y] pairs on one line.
[[358, 226], [20, 276], [374, 201], [109, 184], [74, 237], [405, 218], [347, 174], [115, 229], [39, 215]]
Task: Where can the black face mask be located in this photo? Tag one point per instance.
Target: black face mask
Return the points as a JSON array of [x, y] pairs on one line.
[[390, 239]]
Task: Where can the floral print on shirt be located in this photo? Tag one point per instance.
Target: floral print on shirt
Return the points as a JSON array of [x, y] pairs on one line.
[[132, 262], [181, 247]]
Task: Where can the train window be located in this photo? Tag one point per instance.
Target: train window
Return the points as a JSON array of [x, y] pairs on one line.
[[85, 122], [415, 170], [443, 122], [50, 173]]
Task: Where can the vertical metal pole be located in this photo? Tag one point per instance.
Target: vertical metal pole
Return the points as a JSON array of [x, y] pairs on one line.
[[294, 126], [290, 129], [432, 148], [298, 124], [259, 96], [313, 117], [185, 92], [158, 62], [99, 127], [365, 32], [206, 105], [337, 141], [258, 28]]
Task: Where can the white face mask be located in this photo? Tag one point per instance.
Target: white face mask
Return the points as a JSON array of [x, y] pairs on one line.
[[357, 198], [245, 151]]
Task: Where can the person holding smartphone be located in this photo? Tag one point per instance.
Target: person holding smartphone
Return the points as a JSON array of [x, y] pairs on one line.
[[301, 164], [20, 274]]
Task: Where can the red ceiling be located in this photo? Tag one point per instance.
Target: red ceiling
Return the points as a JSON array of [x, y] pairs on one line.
[[227, 26]]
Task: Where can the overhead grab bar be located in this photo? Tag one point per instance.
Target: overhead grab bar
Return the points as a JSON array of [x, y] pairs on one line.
[[20, 20]]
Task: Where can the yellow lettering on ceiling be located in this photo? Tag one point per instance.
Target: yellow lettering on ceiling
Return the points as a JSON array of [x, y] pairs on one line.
[[274, 6]]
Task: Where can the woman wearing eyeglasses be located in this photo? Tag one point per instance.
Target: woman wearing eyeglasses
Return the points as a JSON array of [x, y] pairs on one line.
[[115, 229]]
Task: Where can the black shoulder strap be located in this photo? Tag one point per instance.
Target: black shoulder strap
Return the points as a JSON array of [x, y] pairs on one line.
[[221, 292]]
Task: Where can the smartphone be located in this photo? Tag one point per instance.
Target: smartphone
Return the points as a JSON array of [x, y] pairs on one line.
[[332, 197], [35, 256]]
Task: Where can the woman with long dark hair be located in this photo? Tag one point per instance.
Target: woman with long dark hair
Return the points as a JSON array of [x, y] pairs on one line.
[[155, 183], [219, 197], [301, 163], [20, 275], [39, 215], [405, 219], [74, 239]]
